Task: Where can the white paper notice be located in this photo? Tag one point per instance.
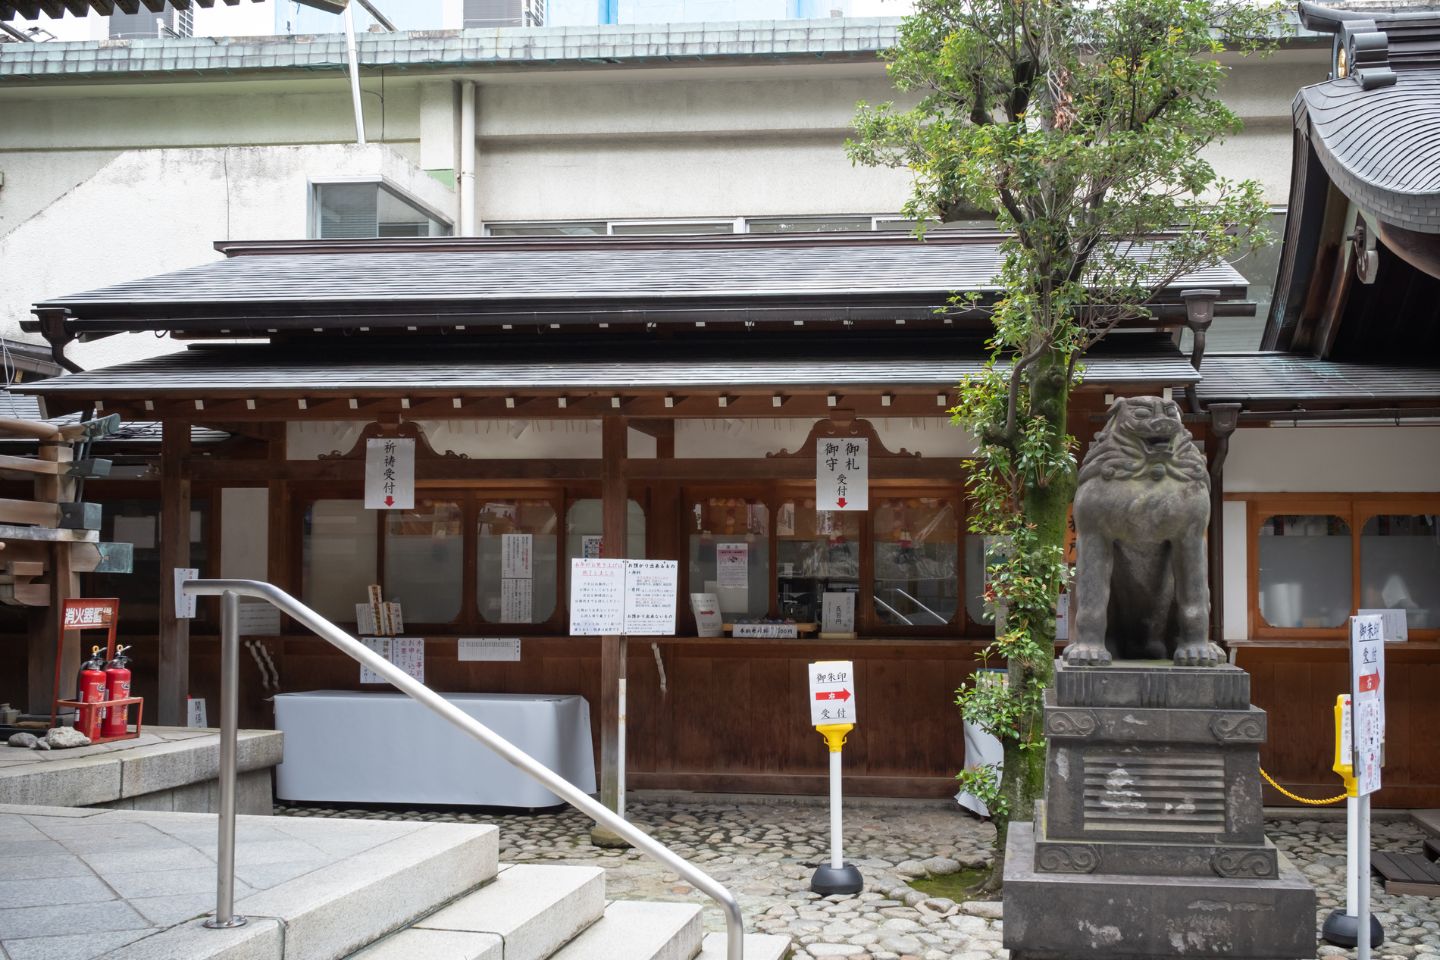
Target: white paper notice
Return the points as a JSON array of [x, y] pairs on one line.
[[842, 473], [389, 474], [408, 653], [650, 588], [380, 645], [184, 605], [1396, 626], [195, 712], [706, 607], [515, 597], [139, 531], [837, 612], [365, 619], [258, 619], [832, 692], [591, 545], [515, 551], [488, 648], [1367, 693], [597, 597], [732, 565]]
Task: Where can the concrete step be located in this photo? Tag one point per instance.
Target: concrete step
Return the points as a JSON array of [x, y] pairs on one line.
[[530, 909], [1427, 820], [634, 930], [758, 946], [357, 881]]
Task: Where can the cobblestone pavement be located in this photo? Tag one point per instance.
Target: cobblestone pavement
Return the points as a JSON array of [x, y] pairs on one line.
[[764, 850]]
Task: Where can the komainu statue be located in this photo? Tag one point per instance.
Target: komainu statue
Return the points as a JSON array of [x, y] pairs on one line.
[[1141, 511]]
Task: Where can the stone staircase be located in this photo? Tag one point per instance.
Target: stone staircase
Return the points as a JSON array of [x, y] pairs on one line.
[[534, 912], [137, 885]]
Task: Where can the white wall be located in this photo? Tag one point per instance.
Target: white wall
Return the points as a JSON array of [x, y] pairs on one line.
[[1334, 459], [1236, 565], [930, 436], [152, 211]]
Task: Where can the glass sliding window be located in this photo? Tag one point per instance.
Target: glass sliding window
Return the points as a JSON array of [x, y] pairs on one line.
[[518, 542], [976, 578], [1400, 567], [916, 553], [424, 560], [584, 524], [1305, 570], [730, 553], [670, 227], [553, 228], [806, 224], [816, 552], [369, 209], [338, 554]]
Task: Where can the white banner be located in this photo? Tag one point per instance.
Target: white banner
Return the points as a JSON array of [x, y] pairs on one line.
[[842, 473], [389, 474]]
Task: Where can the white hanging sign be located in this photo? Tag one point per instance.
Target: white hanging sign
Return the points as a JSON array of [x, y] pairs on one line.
[[185, 602], [832, 692], [389, 474], [1367, 694], [842, 473]]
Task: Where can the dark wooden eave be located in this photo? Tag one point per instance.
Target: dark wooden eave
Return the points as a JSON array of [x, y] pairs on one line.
[[745, 280], [1271, 379], [32, 9]]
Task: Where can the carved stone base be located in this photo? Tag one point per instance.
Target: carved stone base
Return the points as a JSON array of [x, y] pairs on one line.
[[1080, 916], [1257, 861]]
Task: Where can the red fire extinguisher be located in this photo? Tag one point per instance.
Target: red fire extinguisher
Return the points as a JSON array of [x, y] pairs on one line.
[[92, 690], [117, 687]]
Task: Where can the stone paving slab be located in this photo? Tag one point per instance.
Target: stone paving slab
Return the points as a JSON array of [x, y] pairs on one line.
[[161, 758], [130, 885], [765, 849]]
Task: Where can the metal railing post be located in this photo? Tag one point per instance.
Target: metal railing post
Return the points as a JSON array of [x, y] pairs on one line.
[[231, 590], [229, 737]]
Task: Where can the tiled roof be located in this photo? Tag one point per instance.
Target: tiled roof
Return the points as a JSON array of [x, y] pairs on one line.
[[1285, 377]]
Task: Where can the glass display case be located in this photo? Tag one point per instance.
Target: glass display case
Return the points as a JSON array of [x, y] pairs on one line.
[[816, 552]]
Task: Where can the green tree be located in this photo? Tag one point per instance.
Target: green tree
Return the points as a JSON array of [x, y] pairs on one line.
[[1082, 126]]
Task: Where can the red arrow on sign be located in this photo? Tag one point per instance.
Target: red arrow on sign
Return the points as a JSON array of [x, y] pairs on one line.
[[841, 501], [389, 501], [833, 695]]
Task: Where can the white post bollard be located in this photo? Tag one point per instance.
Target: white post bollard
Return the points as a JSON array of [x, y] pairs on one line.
[[837, 840], [837, 876]]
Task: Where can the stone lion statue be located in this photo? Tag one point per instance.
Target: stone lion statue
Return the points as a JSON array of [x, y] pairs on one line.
[[1141, 511]]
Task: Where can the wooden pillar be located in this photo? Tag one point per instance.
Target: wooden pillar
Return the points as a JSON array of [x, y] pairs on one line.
[[1224, 418], [614, 503], [277, 505], [44, 622], [174, 652]]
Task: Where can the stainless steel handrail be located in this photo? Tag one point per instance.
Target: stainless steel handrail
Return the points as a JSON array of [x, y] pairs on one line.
[[230, 592]]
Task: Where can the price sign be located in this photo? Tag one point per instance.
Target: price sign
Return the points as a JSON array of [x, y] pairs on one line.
[[832, 692], [1367, 697]]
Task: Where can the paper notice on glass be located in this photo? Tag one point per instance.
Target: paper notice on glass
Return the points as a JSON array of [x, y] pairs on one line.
[[515, 595], [488, 648], [1393, 623], [706, 607], [591, 546], [137, 531], [650, 589], [597, 597], [380, 645], [842, 473], [365, 619], [837, 613], [258, 619], [408, 653], [515, 550], [785, 520], [184, 603], [389, 474], [732, 565]]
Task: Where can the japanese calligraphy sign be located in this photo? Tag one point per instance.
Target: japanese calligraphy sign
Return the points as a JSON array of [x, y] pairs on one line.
[[610, 597], [85, 614], [842, 473], [1367, 696], [389, 474], [832, 692]]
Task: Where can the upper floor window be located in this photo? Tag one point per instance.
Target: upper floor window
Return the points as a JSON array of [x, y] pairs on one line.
[[370, 209]]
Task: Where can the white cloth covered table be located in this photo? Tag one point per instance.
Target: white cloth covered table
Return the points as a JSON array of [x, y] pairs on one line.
[[365, 747]]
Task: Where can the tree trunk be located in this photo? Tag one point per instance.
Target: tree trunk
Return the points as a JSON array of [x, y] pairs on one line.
[[1047, 508]]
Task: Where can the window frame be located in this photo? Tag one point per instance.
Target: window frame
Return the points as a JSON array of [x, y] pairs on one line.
[[312, 211], [1355, 509]]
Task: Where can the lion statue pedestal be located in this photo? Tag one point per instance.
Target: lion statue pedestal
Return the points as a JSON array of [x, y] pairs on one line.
[[1150, 839]]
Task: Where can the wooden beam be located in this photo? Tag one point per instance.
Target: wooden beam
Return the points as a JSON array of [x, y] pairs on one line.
[[453, 468], [613, 505], [174, 640]]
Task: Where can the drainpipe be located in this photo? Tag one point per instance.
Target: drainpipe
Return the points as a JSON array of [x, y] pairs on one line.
[[52, 328], [466, 173], [1199, 314], [1224, 418], [354, 58]]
